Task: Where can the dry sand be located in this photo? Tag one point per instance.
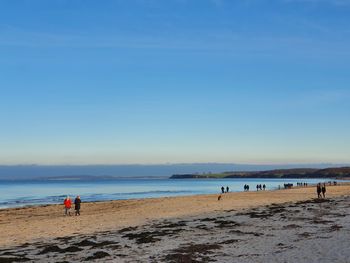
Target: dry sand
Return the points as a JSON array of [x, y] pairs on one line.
[[265, 226]]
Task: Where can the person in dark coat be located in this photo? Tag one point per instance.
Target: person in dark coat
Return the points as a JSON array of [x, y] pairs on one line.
[[77, 203], [323, 189], [318, 189]]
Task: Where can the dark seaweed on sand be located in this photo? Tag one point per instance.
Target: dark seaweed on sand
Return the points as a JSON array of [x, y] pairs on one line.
[[13, 259], [97, 255], [152, 236], [127, 229], [226, 223], [191, 253], [57, 249]]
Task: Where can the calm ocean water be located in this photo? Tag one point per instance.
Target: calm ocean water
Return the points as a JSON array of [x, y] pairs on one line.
[[24, 193]]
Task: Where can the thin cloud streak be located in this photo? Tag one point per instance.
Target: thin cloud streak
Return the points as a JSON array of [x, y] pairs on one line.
[[217, 42]]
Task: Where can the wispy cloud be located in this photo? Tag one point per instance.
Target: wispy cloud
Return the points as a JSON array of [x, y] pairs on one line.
[[209, 41], [283, 35]]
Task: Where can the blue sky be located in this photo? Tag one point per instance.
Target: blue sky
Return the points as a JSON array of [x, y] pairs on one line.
[[152, 81]]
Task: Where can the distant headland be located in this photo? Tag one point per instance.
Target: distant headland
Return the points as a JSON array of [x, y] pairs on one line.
[[340, 172], [177, 170]]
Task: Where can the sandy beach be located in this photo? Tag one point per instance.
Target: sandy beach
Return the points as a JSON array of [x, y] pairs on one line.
[[265, 226]]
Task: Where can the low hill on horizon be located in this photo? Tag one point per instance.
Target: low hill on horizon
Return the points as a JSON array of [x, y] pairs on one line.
[[15, 172], [332, 172]]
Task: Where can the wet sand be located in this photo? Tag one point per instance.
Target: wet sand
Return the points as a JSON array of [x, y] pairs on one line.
[[265, 226]]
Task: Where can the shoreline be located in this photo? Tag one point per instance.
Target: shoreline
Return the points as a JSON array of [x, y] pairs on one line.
[[253, 189], [148, 198], [30, 224], [288, 226], [42, 204]]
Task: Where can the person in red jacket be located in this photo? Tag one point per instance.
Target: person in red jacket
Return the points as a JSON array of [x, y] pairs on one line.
[[67, 205]]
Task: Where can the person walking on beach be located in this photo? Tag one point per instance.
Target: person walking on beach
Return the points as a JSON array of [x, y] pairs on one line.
[[264, 187], [67, 205], [323, 189], [77, 203], [318, 189], [222, 189], [227, 189]]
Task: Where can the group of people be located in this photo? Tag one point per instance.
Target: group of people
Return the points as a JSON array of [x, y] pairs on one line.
[[301, 184], [288, 186], [259, 187], [223, 189], [246, 188], [68, 205], [321, 189]]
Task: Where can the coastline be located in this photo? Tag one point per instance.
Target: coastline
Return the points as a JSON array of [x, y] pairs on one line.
[[30, 224], [30, 193], [289, 225]]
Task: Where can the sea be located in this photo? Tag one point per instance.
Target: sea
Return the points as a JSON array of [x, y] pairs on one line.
[[19, 193]]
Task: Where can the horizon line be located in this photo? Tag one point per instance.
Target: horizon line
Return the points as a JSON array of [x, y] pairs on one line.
[[179, 163]]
